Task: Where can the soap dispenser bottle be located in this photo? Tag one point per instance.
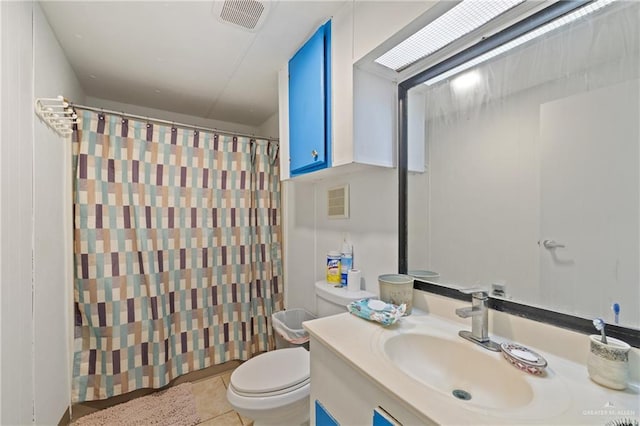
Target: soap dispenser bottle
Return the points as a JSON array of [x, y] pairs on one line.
[[346, 260]]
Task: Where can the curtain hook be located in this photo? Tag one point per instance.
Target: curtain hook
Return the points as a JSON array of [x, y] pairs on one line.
[[276, 149], [75, 118], [253, 147]]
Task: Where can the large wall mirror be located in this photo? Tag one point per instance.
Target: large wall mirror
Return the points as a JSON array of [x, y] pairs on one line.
[[532, 169]]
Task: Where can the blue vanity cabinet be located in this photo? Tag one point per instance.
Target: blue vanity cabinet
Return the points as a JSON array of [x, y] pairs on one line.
[[310, 104], [323, 417], [343, 394], [382, 418]]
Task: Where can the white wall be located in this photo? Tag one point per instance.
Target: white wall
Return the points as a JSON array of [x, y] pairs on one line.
[[372, 227], [270, 127], [36, 253], [53, 237], [171, 116], [16, 214]]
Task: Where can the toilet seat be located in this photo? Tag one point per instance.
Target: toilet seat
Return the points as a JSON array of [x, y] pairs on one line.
[[272, 373], [272, 393]]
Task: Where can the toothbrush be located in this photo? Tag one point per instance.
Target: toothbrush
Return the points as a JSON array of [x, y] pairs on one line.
[[616, 312], [598, 323]]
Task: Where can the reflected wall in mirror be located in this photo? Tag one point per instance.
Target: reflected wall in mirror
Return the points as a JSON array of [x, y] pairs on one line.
[[532, 174]]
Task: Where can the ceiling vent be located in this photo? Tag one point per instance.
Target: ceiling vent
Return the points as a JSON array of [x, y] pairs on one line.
[[248, 14]]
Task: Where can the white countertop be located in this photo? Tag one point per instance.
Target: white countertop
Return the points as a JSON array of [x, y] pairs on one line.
[[358, 342]]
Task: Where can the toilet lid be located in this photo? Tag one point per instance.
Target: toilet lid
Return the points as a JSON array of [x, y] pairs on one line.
[[272, 371]]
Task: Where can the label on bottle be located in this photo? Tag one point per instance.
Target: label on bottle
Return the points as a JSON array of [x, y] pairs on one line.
[[333, 268], [346, 261]]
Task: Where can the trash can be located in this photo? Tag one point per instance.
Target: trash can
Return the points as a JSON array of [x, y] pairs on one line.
[[288, 328]]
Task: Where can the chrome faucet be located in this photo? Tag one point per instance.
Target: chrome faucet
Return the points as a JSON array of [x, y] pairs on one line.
[[479, 313]]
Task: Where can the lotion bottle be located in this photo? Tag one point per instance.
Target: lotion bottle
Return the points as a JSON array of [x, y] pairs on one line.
[[346, 260]]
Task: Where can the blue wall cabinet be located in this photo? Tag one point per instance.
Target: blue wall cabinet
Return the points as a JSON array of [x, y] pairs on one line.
[[310, 104]]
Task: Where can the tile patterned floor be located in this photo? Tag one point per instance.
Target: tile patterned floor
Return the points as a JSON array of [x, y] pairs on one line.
[[211, 401], [212, 405]]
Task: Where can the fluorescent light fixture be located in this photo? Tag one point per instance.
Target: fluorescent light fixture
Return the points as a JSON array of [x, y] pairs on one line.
[[466, 81], [556, 23], [455, 23]]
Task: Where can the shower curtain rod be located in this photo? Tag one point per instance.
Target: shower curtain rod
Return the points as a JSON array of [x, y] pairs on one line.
[[172, 123]]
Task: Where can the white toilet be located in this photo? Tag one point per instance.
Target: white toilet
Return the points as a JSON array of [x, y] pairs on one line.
[[273, 388]]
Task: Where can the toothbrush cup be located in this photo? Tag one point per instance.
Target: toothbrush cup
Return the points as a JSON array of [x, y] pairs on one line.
[[608, 363]]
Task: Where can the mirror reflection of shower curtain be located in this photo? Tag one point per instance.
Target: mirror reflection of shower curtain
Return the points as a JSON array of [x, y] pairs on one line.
[[177, 247]]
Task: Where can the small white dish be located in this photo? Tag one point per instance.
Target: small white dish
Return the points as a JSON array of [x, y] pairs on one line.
[[524, 358]]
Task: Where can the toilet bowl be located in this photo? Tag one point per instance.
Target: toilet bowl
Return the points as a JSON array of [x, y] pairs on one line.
[[273, 388]]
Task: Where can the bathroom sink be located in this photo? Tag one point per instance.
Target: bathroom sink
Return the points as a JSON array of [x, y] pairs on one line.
[[480, 379], [449, 365]]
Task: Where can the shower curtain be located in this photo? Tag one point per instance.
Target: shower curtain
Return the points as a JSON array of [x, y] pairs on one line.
[[177, 250]]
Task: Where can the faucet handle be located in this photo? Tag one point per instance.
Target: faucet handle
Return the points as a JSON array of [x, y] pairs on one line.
[[466, 312]]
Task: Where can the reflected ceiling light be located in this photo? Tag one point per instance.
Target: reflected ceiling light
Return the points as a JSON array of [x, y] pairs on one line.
[[466, 81], [556, 23], [455, 23]]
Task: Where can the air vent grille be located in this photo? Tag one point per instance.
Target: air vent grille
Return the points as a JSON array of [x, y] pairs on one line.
[[338, 202], [245, 13]]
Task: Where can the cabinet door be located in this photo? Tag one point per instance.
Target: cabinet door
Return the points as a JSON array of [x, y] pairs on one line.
[[309, 104], [323, 417], [382, 418]]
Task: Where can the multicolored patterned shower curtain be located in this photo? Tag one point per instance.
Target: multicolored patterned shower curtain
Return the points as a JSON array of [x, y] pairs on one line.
[[177, 247]]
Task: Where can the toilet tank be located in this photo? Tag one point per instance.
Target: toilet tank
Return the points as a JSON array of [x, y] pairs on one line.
[[331, 300]]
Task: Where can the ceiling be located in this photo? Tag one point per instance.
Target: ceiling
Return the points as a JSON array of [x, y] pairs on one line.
[[178, 56]]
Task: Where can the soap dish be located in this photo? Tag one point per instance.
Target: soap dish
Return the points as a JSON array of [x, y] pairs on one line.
[[524, 358]]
